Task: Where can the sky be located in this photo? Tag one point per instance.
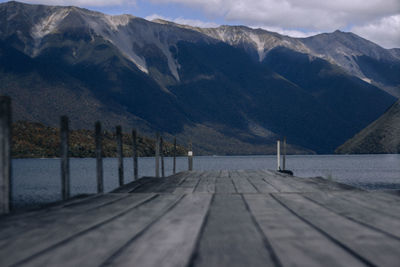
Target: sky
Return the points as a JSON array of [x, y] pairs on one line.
[[375, 20]]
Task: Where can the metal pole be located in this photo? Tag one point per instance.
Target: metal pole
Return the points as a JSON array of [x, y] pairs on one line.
[[5, 154], [278, 154], [190, 156], [99, 157], [174, 161], [120, 156], [162, 157], [157, 155], [284, 154], [64, 137], [134, 155]]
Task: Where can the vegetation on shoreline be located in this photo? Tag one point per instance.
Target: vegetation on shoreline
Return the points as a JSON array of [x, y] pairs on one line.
[[35, 140]]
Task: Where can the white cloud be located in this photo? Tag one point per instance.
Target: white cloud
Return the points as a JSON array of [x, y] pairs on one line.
[[312, 14], [374, 19], [292, 33], [385, 31], [180, 20]]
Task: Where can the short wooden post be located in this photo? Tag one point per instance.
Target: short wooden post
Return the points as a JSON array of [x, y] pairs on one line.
[[162, 157], [120, 155], [284, 154], [5, 154], [157, 156], [190, 156], [99, 157], [174, 160], [64, 138], [135, 155], [278, 154]]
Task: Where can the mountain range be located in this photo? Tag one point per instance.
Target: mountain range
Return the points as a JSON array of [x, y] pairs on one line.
[[230, 89]]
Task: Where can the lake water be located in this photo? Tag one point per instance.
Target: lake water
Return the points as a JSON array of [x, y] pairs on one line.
[[37, 181]]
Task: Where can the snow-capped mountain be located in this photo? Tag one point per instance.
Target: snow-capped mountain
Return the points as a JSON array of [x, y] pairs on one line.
[[231, 89]]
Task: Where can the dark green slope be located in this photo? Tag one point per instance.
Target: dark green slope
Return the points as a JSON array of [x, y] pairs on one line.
[[352, 102], [381, 136], [228, 87]]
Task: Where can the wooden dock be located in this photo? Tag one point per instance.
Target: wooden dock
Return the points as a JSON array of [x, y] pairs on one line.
[[213, 218]]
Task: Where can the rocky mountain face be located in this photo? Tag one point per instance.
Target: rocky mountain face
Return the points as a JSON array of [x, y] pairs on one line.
[[231, 89], [381, 136], [358, 56]]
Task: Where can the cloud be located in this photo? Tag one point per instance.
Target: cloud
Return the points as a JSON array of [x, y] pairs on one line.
[[292, 33], [373, 19], [92, 3], [385, 31], [311, 14], [180, 20]]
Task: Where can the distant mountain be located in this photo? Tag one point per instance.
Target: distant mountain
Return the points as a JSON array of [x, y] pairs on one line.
[[381, 136], [232, 89], [358, 56]]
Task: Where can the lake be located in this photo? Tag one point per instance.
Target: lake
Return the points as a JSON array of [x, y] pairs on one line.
[[37, 181]]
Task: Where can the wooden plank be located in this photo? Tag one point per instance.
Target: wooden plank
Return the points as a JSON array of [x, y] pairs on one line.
[[170, 241], [174, 158], [224, 184], [259, 183], [289, 235], [373, 247], [275, 181], [286, 183], [94, 247], [157, 156], [230, 238], [135, 155], [207, 182], [375, 201], [55, 231], [241, 183], [162, 157], [359, 213], [189, 184], [120, 155], [64, 152], [99, 157], [5, 154]]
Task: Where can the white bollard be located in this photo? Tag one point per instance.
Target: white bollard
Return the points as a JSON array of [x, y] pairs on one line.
[[278, 154]]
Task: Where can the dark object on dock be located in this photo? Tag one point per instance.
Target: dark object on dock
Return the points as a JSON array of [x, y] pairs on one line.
[[286, 172]]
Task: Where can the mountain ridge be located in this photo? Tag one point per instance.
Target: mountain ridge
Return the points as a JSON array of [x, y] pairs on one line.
[[157, 77]]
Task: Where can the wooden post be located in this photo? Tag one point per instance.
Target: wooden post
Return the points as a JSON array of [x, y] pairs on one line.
[[284, 154], [278, 154], [134, 155], [99, 157], [174, 160], [120, 156], [5, 154], [157, 156], [190, 156], [64, 138], [162, 157]]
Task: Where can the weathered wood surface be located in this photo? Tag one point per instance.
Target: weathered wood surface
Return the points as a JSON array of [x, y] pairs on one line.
[[211, 218]]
